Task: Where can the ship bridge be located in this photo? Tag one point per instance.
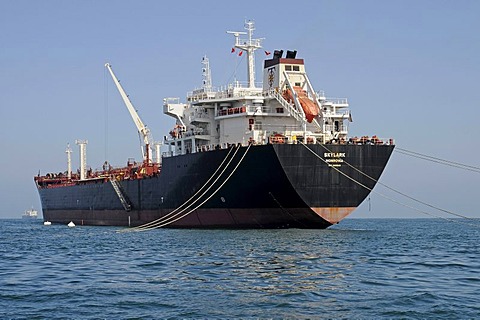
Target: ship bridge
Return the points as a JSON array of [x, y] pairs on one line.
[[285, 104]]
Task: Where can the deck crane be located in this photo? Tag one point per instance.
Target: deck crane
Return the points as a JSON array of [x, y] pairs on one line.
[[141, 127]]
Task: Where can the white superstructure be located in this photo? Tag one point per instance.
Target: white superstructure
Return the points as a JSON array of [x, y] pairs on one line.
[[285, 109]]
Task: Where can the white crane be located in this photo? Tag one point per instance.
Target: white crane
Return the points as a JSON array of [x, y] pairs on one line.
[[141, 127]]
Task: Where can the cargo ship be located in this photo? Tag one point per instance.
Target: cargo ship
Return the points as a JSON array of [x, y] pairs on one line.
[[247, 155]]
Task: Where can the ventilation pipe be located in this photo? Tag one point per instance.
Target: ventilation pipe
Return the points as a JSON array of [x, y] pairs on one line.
[[83, 158]]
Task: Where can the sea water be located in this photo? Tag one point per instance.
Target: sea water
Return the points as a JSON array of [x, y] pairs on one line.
[[359, 269]]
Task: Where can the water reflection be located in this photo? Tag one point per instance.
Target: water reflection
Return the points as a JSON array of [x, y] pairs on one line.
[[283, 269]]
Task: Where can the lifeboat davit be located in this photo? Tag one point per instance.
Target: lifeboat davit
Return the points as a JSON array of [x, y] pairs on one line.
[[309, 106]]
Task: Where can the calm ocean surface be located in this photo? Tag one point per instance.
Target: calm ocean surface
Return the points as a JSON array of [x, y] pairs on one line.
[[360, 269]]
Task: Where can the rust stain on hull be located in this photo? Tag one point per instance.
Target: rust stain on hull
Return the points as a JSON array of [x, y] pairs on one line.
[[333, 214]]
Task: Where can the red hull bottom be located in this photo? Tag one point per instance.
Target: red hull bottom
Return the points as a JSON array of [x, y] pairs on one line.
[[200, 218]]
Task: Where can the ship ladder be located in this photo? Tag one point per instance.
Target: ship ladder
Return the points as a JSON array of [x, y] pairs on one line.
[[296, 114], [121, 194]]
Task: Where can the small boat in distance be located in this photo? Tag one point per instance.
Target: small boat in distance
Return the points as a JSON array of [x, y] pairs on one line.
[[30, 214]]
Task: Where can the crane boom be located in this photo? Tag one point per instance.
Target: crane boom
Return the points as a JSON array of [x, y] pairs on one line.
[[141, 127]]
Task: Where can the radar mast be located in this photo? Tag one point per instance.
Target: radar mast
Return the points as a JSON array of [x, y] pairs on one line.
[[249, 45]]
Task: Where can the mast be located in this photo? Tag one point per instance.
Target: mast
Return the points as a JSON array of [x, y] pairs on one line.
[[69, 161], [83, 158], [249, 45], [207, 76]]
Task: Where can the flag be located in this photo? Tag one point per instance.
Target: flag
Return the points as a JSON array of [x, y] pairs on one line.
[[240, 54], [233, 50], [267, 53]]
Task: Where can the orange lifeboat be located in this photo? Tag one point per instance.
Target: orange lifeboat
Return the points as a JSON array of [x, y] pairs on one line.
[[309, 106]]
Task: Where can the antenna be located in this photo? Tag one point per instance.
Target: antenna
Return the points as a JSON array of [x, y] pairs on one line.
[[249, 45]]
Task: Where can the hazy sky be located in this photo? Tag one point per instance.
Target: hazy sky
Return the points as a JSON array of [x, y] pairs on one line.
[[410, 70]]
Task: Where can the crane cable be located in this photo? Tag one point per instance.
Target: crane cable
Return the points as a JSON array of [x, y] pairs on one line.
[[105, 106], [234, 73], [387, 197]]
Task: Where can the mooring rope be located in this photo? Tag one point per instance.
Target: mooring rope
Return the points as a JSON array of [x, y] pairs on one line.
[[179, 216], [437, 160], [164, 221], [159, 220], [208, 198], [403, 194], [387, 197]]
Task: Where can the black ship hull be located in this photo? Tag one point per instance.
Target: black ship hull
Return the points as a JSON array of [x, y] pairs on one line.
[[265, 186]]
